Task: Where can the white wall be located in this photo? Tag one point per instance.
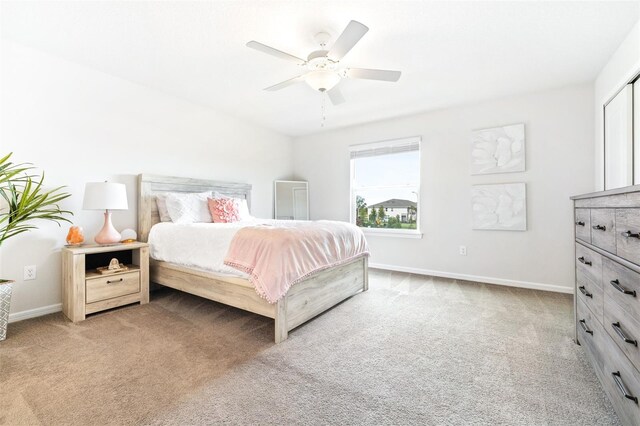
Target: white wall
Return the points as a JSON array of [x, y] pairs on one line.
[[623, 65], [559, 148], [80, 125]]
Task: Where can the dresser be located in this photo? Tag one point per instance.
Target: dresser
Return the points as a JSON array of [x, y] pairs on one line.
[[607, 292]]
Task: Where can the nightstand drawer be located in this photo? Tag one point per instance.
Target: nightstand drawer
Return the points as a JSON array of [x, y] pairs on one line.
[[112, 286]]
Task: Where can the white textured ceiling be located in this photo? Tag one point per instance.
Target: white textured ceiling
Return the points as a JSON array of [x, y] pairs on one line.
[[450, 53]]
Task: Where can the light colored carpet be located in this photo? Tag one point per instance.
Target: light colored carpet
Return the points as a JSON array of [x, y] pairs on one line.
[[411, 350]]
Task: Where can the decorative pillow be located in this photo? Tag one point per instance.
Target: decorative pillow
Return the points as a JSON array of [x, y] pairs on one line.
[[161, 202], [243, 207], [188, 207], [223, 210]]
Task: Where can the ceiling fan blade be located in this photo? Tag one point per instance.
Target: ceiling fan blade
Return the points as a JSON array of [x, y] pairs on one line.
[[335, 95], [349, 37], [383, 75], [275, 52], [285, 83]]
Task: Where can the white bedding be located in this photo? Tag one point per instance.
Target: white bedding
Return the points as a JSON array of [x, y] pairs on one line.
[[197, 245]]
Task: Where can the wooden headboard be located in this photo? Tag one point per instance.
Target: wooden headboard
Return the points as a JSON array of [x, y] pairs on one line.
[[150, 185]]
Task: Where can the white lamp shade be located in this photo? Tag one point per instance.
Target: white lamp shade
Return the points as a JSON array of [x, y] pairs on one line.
[[105, 196]]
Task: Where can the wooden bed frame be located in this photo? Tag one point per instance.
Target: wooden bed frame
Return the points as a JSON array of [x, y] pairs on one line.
[[302, 302]]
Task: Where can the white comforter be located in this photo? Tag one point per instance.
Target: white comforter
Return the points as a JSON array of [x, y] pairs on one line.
[[198, 245]]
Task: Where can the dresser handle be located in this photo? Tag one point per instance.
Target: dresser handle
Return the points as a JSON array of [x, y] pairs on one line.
[[617, 286], [619, 332], [583, 323], [618, 379], [579, 223], [599, 227], [585, 292], [115, 281], [630, 234], [586, 262]]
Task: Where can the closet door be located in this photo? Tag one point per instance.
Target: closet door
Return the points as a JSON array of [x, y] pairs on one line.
[[618, 140]]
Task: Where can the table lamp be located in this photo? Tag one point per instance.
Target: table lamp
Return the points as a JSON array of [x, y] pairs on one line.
[[106, 196]]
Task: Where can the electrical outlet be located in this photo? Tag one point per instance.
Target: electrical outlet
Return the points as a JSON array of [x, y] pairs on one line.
[[463, 250], [30, 272]]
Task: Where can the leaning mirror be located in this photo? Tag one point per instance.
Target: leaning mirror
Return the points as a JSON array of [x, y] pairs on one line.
[[618, 140], [291, 200]]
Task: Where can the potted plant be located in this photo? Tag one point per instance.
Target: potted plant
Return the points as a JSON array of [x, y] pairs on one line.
[[24, 200]]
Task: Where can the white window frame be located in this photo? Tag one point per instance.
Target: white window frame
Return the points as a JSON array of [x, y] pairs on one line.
[[386, 232]]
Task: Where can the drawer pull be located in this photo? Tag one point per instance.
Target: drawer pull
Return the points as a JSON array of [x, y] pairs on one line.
[[630, 234], [617, 286], [114, 281], [585, 292], [619, 332], [599, 227], [583, 324], [586, 262], [618, 379], [579, 223]]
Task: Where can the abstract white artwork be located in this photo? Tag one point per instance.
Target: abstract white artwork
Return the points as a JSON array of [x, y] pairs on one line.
[[498, 150], [500, 206]]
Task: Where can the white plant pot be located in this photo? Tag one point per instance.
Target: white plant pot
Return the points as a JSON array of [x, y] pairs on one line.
[[5, 303]]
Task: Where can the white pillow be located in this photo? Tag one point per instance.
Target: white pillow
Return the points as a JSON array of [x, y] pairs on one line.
[[161, 202], [189, 207], [243, 206], [243, 210]]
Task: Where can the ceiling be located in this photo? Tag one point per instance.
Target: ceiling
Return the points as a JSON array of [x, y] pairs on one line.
[[450, 53]]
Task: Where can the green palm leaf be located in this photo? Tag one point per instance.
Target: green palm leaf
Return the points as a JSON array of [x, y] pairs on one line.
[[27, 200]]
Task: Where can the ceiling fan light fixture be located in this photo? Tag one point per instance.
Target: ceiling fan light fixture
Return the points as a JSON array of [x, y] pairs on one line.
[[323, 70], [322, 80]]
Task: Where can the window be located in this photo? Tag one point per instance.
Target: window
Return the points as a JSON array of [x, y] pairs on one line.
[[385, 186]]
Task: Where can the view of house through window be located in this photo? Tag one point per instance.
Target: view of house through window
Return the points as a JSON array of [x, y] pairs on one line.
[[385, 183]]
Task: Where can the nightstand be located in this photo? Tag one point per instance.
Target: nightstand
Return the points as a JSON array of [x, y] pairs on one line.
[[86, 291]]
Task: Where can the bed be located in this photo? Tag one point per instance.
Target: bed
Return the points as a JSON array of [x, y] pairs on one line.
[[304, 301]]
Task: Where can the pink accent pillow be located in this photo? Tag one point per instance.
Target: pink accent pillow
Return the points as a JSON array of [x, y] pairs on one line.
[[223, 210]]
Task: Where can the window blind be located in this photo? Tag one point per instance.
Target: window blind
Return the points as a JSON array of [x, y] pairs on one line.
[[384, 148]]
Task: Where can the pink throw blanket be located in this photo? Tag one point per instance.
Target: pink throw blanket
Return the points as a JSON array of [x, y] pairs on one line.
[[277, 257]]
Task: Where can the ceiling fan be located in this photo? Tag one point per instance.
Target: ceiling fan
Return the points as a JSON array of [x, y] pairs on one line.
[[323, 66]]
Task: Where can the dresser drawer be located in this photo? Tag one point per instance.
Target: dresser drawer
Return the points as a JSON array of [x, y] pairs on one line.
[[590, 335], [583, 224], [628, 234], [111, 286], [590, 294], [623, 329], [622, 286], [590, 263], [603, 229], [621, 381]]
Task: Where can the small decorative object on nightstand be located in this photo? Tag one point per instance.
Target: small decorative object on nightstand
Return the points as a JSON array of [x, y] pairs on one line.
[[75, 237], [128, 236], [86, 290]]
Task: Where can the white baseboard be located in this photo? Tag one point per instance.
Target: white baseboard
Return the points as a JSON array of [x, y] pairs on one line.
[[37, 312], [466, 277]]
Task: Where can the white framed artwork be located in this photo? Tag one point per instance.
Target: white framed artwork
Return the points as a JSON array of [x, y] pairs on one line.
[[498, 150], [499, 207]]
